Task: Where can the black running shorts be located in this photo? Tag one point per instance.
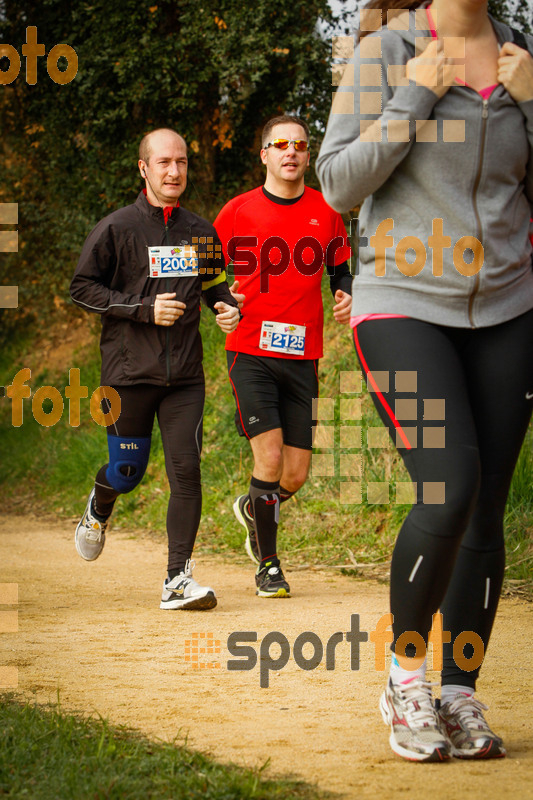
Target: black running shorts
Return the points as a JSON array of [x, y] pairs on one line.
[[274, 393]]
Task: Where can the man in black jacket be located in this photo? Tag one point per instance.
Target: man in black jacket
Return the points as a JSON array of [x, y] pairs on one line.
[[144, 269]]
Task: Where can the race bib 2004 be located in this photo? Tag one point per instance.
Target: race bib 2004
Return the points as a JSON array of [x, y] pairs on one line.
[[172, 261], [282, 337]]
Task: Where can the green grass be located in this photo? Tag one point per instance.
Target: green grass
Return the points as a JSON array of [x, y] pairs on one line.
[[46, 754], [52, 469], [519, 521]]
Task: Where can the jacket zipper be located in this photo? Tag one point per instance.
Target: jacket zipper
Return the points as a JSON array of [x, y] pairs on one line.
[[167, 331], [484, 117]]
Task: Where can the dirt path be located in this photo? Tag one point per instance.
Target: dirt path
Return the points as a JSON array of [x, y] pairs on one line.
[[95, 632]]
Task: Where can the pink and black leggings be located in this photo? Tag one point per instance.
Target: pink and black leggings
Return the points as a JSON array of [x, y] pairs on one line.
[[460, 440]]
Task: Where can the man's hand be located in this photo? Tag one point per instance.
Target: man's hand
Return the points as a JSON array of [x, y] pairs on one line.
[[167, 310], [227, 316], [240, 298], [343, 307], [515, 72]]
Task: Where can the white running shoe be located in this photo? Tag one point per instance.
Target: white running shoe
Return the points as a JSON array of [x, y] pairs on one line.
[[415, 732], [467, 730], [183, 592], [90, 533]]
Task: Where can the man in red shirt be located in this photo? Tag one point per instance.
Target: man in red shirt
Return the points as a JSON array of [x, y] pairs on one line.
[[279, 236]]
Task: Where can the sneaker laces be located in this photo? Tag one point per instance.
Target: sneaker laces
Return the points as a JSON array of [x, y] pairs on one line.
[[188, 568], [93, 534], [270, 568], [419, 709], [185, 576], [94, 527], [467, 706], [190, 589]]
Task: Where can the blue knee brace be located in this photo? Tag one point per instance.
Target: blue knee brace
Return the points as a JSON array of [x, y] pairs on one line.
[[128, 459]]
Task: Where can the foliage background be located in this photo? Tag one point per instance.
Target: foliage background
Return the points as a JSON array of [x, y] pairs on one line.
[[216, 70]]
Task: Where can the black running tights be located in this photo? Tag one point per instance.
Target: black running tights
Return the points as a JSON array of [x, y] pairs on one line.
[[457, 403], [179, 412]]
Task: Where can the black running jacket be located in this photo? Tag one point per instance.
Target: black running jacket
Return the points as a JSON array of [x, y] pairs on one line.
[[112, 279]]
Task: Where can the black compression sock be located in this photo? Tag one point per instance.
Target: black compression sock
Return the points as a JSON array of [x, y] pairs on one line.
[[264, 500], [284, 494], [97, 511]]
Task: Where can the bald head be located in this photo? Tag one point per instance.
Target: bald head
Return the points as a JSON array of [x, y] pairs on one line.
[[163, 165], [154, 138]]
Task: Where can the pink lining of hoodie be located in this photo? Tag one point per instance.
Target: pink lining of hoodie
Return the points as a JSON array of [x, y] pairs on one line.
[[355, 321], [488, 90]]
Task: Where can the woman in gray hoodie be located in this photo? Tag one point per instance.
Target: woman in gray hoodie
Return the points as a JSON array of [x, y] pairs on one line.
[[431, 134]]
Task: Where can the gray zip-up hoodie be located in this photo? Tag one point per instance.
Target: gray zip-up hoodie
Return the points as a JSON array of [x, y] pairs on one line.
[[476, 176]]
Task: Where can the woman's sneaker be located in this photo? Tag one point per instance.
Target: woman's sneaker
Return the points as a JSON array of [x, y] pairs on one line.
[[467, 730], [270, 580], [183, 592], [415, 732], [90, 532], [240, 509]]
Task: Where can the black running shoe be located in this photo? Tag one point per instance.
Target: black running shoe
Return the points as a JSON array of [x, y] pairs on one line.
[[250, 543], [270, 581]]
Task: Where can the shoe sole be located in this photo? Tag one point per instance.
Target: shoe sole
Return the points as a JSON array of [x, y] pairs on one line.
[[436, 755], [247, 543], [191, 604], [277, 593], [492, 750]]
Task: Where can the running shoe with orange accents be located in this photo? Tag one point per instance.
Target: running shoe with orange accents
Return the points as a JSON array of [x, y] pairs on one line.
[[89, 536]]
